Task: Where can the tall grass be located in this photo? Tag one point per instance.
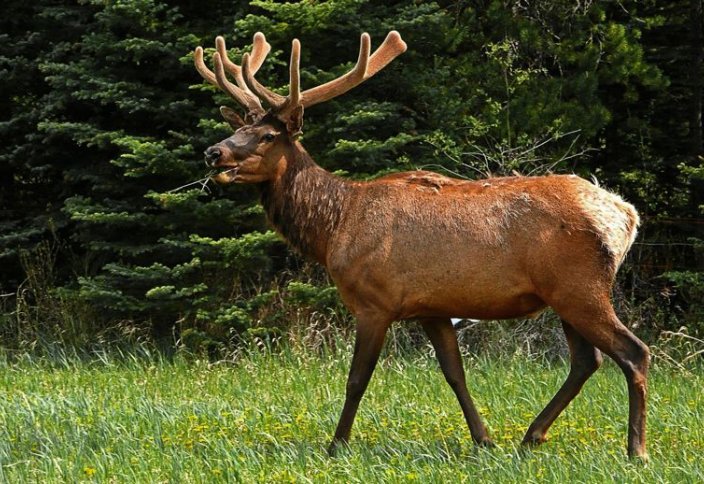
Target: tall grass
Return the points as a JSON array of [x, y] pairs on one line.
[[268, 418]]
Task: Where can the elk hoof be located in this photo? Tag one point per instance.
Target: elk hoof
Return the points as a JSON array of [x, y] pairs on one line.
[[639, 459], [486, 443], [335, 445], [533, 440]]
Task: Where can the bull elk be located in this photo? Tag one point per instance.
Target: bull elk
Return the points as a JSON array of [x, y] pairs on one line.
[[419, 245]]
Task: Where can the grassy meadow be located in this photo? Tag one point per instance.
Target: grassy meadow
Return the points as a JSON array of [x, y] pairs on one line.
[[268, 418]]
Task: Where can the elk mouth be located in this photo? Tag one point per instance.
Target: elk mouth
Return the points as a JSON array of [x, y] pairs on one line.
[[225, 173]]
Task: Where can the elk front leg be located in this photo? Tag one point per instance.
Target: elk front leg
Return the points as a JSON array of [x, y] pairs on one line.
[[585, 359], [444, 340], [371, 332]]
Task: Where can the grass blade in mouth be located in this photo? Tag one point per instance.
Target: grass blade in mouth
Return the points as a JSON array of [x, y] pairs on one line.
[[203, 182], [231, 169]]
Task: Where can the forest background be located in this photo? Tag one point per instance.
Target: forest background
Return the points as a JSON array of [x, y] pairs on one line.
[[103, 118]]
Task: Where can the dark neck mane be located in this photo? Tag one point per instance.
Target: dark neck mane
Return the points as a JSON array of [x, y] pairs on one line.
[[305, 204]]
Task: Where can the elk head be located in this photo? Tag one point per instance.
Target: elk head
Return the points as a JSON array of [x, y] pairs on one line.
[[256, 150]]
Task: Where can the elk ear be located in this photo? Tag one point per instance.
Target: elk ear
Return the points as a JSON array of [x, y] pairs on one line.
[[294, 121], [232, 118]]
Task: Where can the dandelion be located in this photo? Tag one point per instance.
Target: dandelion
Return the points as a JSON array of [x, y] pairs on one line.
[[89, 471]]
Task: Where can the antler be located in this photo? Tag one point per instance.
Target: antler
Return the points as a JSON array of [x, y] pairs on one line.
[[249, 91], [366, 67], [240, 92]]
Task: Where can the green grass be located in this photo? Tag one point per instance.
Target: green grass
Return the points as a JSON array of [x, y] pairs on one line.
[[269, 418]]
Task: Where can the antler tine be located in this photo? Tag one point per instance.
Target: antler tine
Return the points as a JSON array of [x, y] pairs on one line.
[[260, 49], [392, 47], [343, 83], [245, 98], [366, 67], [273, 99], [218, 78], [294, 92], [229, 66], [202, 68]]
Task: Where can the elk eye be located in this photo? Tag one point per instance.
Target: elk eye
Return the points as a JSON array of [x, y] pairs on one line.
[[268, 138]]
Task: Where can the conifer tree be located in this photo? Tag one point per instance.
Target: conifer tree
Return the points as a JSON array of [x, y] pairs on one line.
[[102, 116]]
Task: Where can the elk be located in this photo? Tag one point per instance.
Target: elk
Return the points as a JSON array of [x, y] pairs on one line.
[[419, 245]]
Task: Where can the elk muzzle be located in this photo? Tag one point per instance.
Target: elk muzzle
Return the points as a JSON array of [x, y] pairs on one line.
[[212, 155]]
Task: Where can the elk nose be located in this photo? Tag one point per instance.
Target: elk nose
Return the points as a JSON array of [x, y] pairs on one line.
[[212, 155]]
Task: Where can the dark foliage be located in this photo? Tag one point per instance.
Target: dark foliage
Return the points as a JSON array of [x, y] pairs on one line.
[[102, 115]]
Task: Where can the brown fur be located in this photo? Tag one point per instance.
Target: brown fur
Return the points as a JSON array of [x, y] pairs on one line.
[[305, 205]]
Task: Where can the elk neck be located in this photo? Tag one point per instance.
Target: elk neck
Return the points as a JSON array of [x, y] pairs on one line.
[[305, 203]]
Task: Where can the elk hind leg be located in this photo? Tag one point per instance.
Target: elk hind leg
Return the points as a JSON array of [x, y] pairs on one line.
[[585, 359], [444, 340], [599, 325]]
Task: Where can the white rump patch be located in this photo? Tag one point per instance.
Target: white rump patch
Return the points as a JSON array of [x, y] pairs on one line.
[[614, 220]]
